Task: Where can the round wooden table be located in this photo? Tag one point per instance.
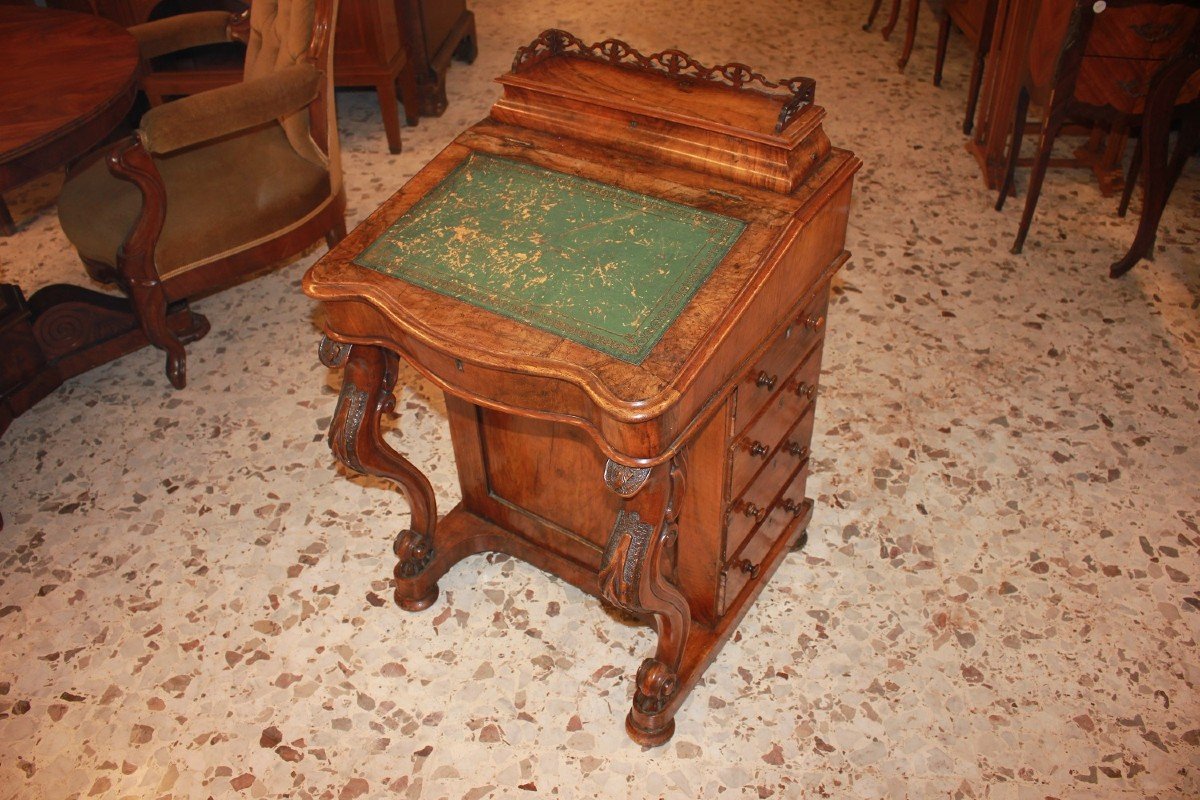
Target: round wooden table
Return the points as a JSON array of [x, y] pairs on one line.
[[69, 80], [66, 81]]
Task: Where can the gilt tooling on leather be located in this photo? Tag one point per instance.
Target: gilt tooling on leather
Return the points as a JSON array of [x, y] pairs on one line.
[[602, 266]]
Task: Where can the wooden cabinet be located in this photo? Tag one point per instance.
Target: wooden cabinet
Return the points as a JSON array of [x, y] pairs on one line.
[[631, 399], [369, 51], [436, 31]]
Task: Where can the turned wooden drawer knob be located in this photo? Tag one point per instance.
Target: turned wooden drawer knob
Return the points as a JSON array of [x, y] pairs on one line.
[[757, 448], [797, 449], [792, 507], [804, 389], [751, 510], [765, 381], [750, 569]]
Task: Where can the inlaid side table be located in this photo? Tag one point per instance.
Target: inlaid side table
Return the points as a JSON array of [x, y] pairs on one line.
[[619, 279]]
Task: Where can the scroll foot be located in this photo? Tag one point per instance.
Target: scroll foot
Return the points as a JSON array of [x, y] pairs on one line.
[[416, 588], [657, 684]]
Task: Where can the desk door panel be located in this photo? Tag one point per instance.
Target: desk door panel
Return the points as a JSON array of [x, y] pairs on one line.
[[547, 480]]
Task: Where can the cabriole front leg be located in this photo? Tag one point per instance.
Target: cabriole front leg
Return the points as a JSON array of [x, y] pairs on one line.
[[355, 437], [637, 574]]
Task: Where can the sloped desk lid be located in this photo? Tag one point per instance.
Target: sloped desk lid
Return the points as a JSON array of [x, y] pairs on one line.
[[603, 266]]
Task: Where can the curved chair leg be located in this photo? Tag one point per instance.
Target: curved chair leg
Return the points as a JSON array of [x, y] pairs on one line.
[[1037, 175], [910, 33], [1131, 177], [973, 89], [943, 40], [1160, 175], [357, 441], [150, 304], [893, 18], [1014, 151], [871, 16], [636, 574]]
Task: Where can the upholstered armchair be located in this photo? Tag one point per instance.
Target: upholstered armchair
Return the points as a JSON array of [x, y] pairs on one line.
[[216, 187]]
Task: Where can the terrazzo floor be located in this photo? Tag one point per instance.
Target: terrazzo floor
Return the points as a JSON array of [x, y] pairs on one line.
[[998, 599]]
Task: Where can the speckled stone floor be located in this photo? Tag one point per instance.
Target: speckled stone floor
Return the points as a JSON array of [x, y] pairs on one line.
[[998, 599]]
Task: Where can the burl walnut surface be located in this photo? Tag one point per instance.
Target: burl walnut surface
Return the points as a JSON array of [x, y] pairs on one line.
[[674, 487]]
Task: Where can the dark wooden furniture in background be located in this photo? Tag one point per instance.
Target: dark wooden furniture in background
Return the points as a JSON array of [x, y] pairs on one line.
[[1015, 20], [436, 32], [672, 487], [893, 17], [1101, 71], [221, 185], [910, 33], [977, 20], [68, 81], [369, 51], [1179, 75]]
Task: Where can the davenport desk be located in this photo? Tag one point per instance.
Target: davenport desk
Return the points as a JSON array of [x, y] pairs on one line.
[[619, 280]]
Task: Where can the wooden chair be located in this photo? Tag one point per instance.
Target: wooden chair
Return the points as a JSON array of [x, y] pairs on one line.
[[216, 187], [1092, 65], [977, 20], [368, 51]]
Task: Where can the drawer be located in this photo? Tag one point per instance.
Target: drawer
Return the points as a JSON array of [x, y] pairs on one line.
[[749, 511], [1145, 32], [792, 509], [755, 448], [763, 381], [1122, 83]]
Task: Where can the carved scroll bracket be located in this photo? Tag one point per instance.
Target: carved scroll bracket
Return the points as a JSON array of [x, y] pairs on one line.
[[332, 353], [623, 480], [637, 574]]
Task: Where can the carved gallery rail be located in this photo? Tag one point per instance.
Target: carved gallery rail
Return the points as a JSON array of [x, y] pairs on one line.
[[619, 279]]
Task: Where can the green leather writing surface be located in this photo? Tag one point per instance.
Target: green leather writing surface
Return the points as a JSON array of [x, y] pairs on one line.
[[602, 266]]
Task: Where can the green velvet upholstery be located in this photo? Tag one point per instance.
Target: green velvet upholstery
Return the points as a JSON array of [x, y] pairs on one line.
[[220, 197], [181, 31], [219, 112]]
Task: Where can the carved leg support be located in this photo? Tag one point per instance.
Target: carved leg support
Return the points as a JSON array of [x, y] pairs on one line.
[[356, 441], [130, 161], [637, 574]]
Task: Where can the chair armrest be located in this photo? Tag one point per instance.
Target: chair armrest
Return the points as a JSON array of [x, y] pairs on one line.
[[219, 112], [182, 31]]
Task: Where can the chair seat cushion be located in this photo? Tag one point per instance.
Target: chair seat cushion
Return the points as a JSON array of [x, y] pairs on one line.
[[221, 196]]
